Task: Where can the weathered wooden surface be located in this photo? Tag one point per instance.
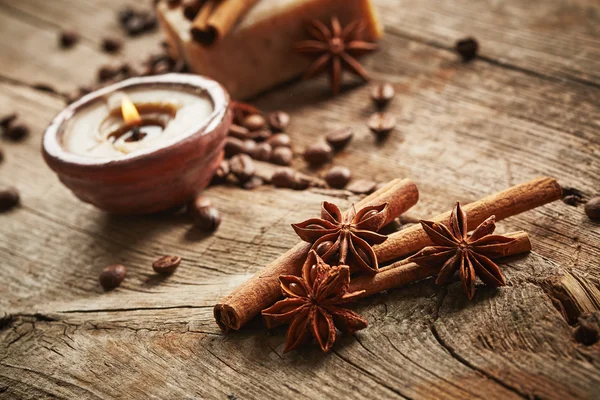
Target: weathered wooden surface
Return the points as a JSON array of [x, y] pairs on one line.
[[528, 107]]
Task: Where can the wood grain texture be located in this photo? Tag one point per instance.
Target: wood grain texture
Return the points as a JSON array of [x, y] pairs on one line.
[[528, 107]]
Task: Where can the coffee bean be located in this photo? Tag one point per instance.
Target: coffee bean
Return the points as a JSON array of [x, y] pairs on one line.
[[253, 183], [381, 124], [254, 122], [207, 219], [112, 276], [282, 156], [338, 177], [572, 200], [382, 94], [279, 121], [592, 208], [361, 186], [242, 167], [238, 132], [233, 146], [7, 120], [340, 138], [1, 155], [318, 153], [68, 39], [280, 140], [166, 264], [150, 22], [9, 197], [199, 202], [284, 178], [467, 48], [260, 135], [263, 152], [221, 172], [125, 15], [44, 87], [111, 45], [162, 67], [249, 147], [135, 25], [17, 132], [108, 72]]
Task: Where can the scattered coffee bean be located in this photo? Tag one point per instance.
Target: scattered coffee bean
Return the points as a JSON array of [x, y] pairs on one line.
[[162, 67], [284, 178], [280, 140], [467, 48], [112, 276], [253, 183], [340, 138], [382, 94], [338, 177], [9, 197], [7, 120], [233, 146], [381, 124], [125, 15], [279, 121], [108, 72], [572, 200], [111, 45], [208, 219], [263, 152], [282, 156], [254, 122], [166, 264], [260, 135], [17, 132], [242, 167], [592, 208], [68, 39], [199, 202], [361, 186], [249, 147], [318, 153], [238, 132], [191, 8], [221, 172]]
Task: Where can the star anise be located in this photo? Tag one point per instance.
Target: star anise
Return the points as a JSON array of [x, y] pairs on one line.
[[313, 304], [455, 250], [336, 47], [346, 239]]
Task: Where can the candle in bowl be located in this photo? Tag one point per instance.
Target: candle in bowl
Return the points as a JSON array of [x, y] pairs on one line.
[[142, 145]]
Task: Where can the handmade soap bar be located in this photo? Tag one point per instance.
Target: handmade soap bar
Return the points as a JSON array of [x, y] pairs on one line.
[[259, 53]]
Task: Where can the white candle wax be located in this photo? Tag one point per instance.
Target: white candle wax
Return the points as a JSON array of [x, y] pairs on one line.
[[89, 131]]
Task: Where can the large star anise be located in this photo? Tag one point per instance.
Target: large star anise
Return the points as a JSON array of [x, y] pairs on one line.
[[335, 48], [469, 255], [346, 239], [312, 304]]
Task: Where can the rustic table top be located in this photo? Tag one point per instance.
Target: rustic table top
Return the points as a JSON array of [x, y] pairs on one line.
[[528, 106]]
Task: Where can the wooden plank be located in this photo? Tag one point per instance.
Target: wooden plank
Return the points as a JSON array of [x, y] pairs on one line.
[[556, 38], [464, 131]]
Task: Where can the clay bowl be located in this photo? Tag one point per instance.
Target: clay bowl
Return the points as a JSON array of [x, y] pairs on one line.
[[149, 180]]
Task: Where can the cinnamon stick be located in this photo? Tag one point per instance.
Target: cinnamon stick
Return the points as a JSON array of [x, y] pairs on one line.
[[509, 202], [262, 290], [404, 272], [220, 19]]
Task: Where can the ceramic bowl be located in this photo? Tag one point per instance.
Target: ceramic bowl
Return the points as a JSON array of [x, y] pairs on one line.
[[149, 180]]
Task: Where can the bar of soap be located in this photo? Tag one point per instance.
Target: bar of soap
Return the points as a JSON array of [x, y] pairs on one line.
[[259, 53]]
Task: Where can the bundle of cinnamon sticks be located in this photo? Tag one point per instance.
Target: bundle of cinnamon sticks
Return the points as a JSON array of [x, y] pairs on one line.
[[262, 290]]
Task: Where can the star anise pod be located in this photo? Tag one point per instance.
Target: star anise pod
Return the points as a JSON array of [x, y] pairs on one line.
[[346, 239], [313, 304], [336, 48], [455, 250]]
